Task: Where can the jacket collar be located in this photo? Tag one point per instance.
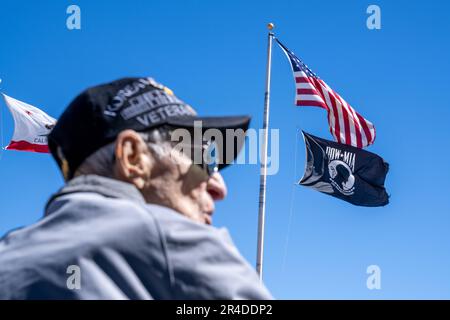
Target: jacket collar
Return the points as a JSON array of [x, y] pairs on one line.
[[107, 187]]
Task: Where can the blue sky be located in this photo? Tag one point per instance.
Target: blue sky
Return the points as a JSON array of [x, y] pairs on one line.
[[212, 54]]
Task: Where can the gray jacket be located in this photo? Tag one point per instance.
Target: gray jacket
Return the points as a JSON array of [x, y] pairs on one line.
[[100, 240]]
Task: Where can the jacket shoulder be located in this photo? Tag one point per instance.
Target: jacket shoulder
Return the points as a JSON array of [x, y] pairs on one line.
[[115, 238]]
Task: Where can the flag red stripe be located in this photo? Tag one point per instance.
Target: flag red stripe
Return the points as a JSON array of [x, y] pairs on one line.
[[332, 108], [369, 137], [310, 103], [27, 146], [307, 91], [345, 114], [301, 80], [357, 128], [349, 109], [351, 112], [346, 121]]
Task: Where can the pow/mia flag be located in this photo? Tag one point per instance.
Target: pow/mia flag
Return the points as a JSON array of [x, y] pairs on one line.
[[345, 172]]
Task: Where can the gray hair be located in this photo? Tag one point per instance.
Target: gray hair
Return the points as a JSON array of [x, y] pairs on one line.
[[101, 162]]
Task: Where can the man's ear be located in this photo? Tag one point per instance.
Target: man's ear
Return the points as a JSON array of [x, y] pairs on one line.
[[133, 161]]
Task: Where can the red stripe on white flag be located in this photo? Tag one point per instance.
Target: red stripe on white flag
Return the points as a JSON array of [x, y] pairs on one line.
[[26, 146], [31, 126]]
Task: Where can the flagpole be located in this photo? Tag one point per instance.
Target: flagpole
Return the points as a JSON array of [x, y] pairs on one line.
[[263, 172]]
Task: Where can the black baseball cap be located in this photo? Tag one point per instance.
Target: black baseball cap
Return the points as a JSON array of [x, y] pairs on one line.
[[97, 115]]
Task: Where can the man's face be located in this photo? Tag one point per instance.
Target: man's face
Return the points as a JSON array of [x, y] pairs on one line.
[[170, 180], [179, 184]]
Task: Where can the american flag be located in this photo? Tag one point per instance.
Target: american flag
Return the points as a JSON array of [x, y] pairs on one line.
[[346, 125]]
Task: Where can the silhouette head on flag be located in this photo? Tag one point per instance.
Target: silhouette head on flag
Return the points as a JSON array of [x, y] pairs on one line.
[[348, 173]]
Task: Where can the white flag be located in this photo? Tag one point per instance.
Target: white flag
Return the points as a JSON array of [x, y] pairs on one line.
[[31, 126]]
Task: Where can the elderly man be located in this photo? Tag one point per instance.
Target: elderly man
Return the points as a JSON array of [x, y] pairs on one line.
[[134, 218]]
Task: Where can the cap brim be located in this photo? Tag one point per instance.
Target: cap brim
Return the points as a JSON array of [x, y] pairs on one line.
[[227, 125]]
